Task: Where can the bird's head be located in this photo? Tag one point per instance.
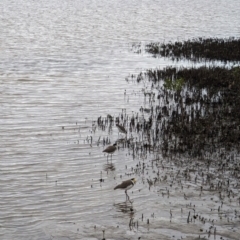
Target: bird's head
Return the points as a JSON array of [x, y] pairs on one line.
[[134, 180]]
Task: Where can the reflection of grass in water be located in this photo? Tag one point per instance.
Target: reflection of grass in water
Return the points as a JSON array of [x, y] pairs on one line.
[[175, 85]]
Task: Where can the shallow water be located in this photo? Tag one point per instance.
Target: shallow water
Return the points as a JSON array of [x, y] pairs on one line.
[[62, 65]]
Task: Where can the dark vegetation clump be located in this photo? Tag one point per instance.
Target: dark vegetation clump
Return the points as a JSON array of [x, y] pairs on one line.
[[198, 49], [197, 109]]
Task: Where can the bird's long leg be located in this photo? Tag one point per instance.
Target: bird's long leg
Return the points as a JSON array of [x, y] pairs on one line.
[[127, 197]]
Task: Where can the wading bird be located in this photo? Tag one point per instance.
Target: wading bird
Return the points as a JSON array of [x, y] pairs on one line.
[[126, 185], [110, 149]]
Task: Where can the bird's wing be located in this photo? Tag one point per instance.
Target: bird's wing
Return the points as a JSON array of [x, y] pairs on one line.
[[123, 184]]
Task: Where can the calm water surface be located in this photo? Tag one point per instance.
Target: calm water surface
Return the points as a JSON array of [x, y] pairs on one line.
[[63, 64]]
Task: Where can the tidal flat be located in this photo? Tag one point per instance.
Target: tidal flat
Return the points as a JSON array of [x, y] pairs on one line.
[[184, 145]]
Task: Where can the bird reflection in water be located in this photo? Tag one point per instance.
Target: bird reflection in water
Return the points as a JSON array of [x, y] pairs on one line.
[[124, 207], [127, 209], [109, 167]]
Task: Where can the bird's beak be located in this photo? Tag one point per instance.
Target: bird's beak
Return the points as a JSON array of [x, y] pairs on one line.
[[135, 180]]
